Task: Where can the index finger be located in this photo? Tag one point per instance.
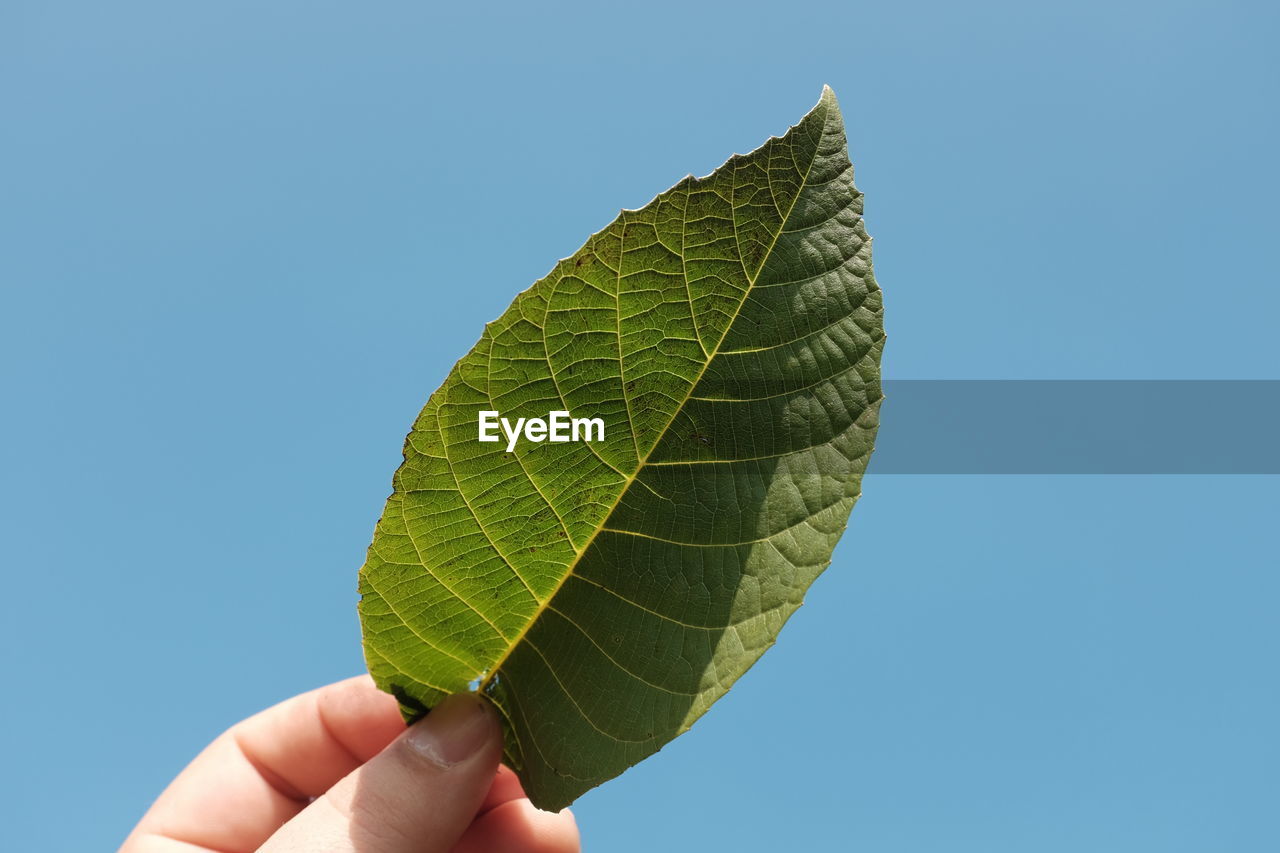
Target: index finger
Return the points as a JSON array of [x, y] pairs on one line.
[[263, 771]]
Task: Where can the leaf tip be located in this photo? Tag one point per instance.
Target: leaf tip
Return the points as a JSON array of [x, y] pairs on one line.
[[829, 101]]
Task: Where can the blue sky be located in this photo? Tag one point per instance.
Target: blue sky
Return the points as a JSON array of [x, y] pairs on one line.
[[240, 243]]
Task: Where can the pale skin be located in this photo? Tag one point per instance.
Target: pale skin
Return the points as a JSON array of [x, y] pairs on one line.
[[336, 771]]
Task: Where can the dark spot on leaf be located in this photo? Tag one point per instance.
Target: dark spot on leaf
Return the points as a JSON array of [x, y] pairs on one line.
[[410, 708]]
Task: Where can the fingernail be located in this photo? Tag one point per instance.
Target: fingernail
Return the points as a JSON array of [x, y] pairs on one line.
[[454, 730]]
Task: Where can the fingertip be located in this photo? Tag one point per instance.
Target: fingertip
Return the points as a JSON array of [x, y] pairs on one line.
[[361, 717], [517, 826], [505, 787], [462, 728]]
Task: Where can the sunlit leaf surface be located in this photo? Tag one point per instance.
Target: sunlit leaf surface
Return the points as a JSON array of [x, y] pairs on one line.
[[604, 594]]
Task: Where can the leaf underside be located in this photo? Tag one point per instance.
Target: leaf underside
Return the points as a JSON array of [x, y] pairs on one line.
[[603, 595]]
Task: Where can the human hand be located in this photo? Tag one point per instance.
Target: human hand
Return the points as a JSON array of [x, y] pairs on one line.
[[335, 770]]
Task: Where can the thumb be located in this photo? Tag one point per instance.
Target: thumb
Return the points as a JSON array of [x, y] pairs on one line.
[[419, 794]]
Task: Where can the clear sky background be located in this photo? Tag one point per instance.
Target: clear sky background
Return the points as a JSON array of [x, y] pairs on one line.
[[241, 242]]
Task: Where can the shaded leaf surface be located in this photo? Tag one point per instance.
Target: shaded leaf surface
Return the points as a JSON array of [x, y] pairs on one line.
[[605, 594]]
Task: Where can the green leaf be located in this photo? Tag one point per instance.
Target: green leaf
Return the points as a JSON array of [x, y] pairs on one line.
[[604, 594]]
